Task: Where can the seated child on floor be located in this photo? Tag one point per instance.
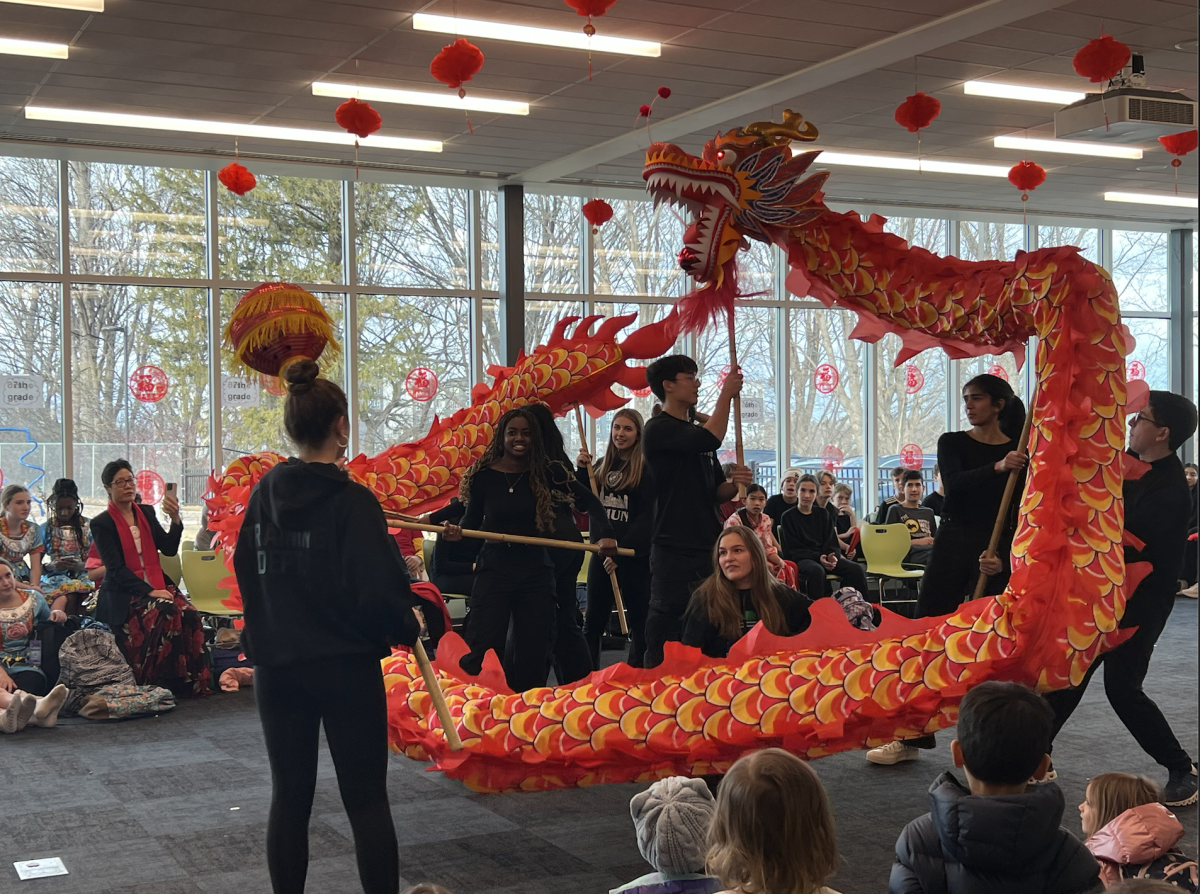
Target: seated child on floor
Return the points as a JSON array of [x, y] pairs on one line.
[[1132, 834], [993, 834], [671, 819], [773, 829]]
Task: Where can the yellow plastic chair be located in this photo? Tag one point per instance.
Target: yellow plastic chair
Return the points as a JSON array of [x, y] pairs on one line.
[[884, 547], [581, 578], [172, 567], [187, 544], [203, 570]]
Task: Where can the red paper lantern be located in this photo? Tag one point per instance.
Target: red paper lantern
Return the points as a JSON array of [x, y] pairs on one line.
[[1180, 143], [151, 486], [273, 385], [664, 92], [998, 371], [456, 64], [1026, 176], [358, 117], [1101, 58], [598, 212], [149, 384], [826, 378], [590, 8], [421, 384], [832, 457], [911, 456], [1137, 371], [917, 111], [237, 178]]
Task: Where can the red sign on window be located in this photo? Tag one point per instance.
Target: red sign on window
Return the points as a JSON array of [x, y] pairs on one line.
[[148, 384], [998, 371], [825, 378], [421, 384], [914, 379], [151, 486], [911, 456], [1137, 371], [832, 457]]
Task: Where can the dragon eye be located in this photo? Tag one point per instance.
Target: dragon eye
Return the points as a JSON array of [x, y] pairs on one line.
[[721, 153]]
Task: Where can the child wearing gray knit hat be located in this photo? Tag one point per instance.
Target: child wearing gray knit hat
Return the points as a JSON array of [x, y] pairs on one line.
[[671, 819]]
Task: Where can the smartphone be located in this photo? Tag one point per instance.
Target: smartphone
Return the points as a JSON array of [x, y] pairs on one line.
[[171, 486]]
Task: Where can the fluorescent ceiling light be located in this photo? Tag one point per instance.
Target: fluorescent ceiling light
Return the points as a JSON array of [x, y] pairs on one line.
[[900, 163], [1067, 147], [572, 40], [85, 5], [446, 100], [1151, 198], [10, 46], [1020, 91], [226, 128]]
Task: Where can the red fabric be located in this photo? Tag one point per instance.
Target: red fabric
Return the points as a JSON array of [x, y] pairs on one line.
[[789, 574], [237, 178], [597, 212], [917, 111], [1180, 143], [407, 540], [427, 592], [457, 63], [1101, 59], [358, 117], [153, 570], [1026, 175]]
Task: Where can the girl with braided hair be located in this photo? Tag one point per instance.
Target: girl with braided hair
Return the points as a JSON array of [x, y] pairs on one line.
[[514, 489], [68, 537]]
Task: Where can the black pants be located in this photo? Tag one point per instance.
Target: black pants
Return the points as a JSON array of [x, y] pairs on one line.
[[572, 658], [633, 577], [812, 576], [30, 681], [674, 574], [516, 587], [293, 702], [454, 584], [1124, 672], [953, 569]]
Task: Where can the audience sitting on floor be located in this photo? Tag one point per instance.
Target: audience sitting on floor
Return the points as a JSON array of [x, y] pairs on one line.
[[773, 830], [809, 541], [936, 498], [920, 521], [22, 681], [20, 539], [67, 537], [786, 498], [753, 516], [996, 833], [672, 820], [880, 516], [1132, 834]]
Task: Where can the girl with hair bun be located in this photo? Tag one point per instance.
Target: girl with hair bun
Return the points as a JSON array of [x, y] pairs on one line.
[[325, 592]]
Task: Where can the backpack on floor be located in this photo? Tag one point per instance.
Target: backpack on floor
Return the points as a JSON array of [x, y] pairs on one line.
[[101, 682]]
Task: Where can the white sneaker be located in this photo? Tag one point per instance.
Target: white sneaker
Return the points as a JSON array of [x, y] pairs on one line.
[[893, 753], [1191, 592], [1051, 776]]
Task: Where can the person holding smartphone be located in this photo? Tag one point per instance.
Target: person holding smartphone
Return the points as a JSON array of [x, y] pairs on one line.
[[68, 538], [157, 629]]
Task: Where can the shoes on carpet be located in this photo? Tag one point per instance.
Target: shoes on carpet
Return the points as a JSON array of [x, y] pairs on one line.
[[1191, 592], [1181, 788], [1050, 776], [893, 753]]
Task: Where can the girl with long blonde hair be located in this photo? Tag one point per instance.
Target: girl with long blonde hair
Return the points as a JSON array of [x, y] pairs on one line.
[[627, 492]]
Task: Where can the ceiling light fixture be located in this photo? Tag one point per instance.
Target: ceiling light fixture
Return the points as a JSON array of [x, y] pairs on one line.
[[446, 100], [900, 163], [571, 40], [83, 5], [225, 128], [1151, 198], [10, 46], [1067, 147], [1021, 92]]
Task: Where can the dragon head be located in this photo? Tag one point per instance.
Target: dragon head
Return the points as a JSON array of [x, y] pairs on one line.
[[746, 184]]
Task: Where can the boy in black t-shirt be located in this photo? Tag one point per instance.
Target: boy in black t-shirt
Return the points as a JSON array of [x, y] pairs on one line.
[[680, 447], [920, 521], [888, 502], [937, 497]]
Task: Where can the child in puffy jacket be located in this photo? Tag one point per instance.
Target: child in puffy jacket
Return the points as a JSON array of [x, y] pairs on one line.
[[1131, 834]]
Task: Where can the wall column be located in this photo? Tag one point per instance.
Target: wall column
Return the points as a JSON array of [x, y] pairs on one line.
[[510, 226], [1183, 336]]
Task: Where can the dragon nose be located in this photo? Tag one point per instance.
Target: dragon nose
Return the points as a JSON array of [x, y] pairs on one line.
[[687, 260]]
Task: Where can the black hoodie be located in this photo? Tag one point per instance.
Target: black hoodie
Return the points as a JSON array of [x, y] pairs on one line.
[[991, 844], [320, 575]]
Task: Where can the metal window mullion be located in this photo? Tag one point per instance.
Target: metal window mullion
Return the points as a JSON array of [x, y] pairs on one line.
[[870, 405], [587, 256], [475, 280], [350, 311], [1182, 344], [64, 339], [953, 247], [783, 373], [216, 436]]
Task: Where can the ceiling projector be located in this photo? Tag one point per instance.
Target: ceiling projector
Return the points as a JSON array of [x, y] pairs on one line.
[[1126, 112]]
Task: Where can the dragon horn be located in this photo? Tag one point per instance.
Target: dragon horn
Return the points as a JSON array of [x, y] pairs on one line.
[[794, 127], [559, 333], [581, 331], [610, 327]]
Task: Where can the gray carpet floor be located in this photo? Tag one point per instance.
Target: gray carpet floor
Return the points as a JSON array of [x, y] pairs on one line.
[[177, 804]]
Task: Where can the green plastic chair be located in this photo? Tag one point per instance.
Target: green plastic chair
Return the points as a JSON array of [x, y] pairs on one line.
[[884, 547], [204, 570], [172, 567], [188, 544]]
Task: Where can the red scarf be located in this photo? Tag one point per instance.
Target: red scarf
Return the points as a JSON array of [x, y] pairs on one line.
[[133, 561]]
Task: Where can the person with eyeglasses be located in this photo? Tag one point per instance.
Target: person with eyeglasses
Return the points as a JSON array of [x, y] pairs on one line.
[[158, 631], [680, 447], [1157, 509]]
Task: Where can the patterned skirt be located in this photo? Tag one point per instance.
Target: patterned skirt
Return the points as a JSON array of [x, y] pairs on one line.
[[164, 645]]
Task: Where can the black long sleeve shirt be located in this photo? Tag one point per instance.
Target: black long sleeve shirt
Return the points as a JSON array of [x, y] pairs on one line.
[[699, 631], [1157, 507], [973, 487], [682, 457], [630, 510], [808, 535]]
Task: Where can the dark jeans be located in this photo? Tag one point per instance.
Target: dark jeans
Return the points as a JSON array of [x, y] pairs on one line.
[[633, 577], [30, 681], [953, 569], [812, 576], [572, 658], [1124, 672], [293, 702], [523, 592], [674, 574]]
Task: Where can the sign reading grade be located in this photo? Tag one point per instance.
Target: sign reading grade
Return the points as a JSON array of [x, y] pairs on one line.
[[753, 410], [239, 392], [22, 391]]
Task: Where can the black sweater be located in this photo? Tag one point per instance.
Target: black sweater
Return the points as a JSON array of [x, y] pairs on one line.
[[808, 536], [320, 576], [452, 557], [699, 631], [1157, 509], [973, 486], [776, 507], [121, 585], [630, 510]]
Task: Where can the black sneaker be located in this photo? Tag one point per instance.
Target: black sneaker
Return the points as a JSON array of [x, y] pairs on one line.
[[1181, 788]]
